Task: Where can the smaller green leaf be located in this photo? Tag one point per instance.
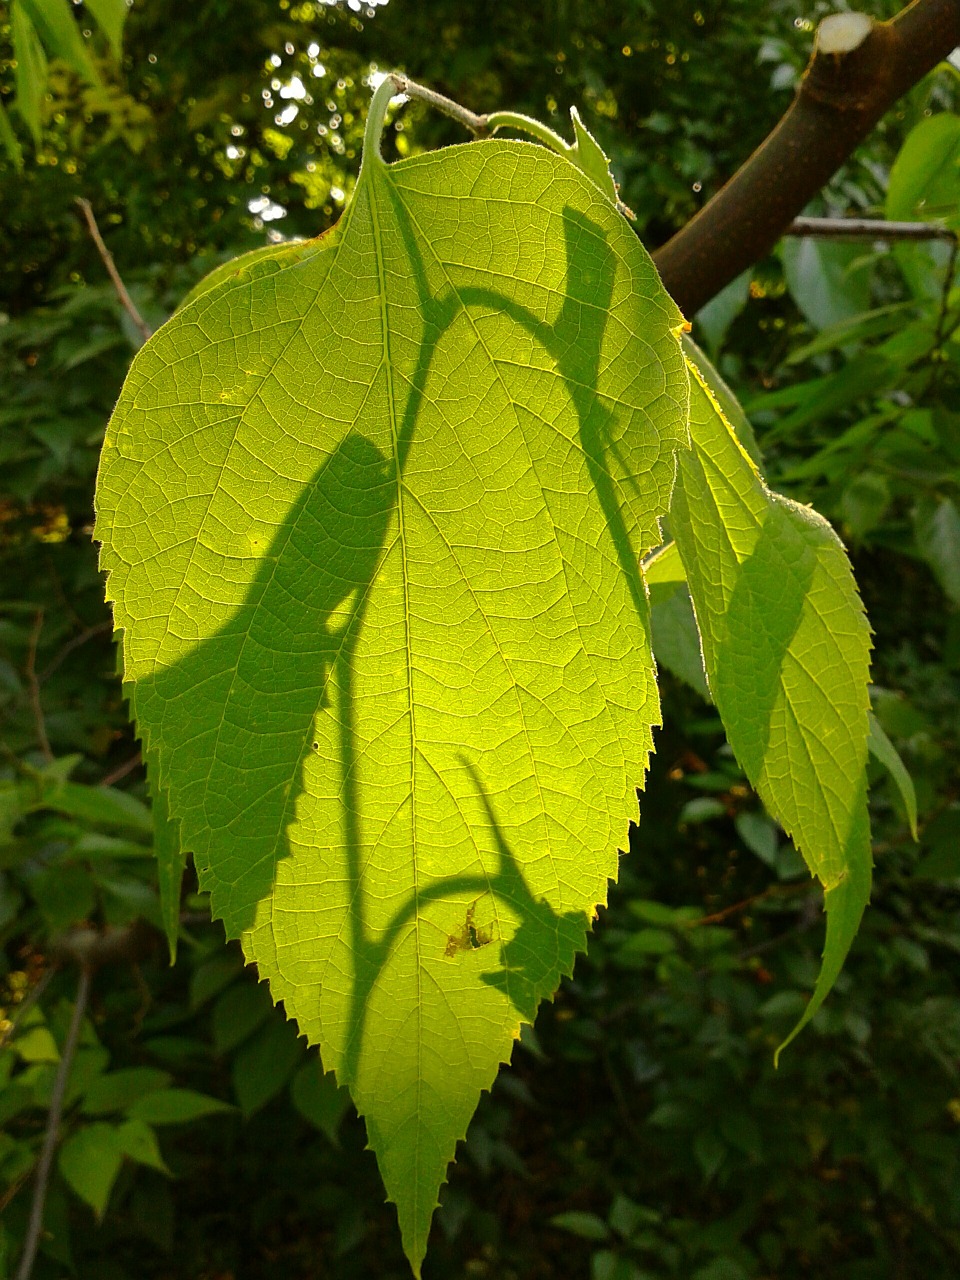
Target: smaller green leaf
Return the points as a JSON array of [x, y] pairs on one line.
[[110, 16], [36, 1044], [64, 894], [265, 1064], [588, 155], [31, 71], [118, 1090], [714, 320], [59, 31], [102, 806], [238, 1013], [585, 1225], [701, 810], [211, 978], [175, 1106], [90, 1160], [759, 834], [139, 1142], [884, 750], [319, 1099]]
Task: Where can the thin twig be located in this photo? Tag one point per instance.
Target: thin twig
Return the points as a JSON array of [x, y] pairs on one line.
[[107, 258], [867, 229], [33, 688], [52, 1133], [69, 647], [469, 119], [121, 771]]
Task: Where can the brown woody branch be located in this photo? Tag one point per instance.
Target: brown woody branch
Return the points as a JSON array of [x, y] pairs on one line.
[[844, 92]]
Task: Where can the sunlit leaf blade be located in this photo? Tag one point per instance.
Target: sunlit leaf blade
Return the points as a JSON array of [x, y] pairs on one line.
[[373, 523], [786, 647]]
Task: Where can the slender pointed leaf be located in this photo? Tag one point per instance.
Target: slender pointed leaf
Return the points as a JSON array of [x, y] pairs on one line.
[[31, 73], [373, 522], [786, 647]]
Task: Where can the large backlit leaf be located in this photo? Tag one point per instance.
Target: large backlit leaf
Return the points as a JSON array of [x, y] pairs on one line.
[[786, 649], [373, 516]]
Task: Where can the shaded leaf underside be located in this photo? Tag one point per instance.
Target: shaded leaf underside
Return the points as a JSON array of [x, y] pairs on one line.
[[372, 515]]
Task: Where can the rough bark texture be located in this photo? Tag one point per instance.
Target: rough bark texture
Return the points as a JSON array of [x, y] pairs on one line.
[[840, 99]]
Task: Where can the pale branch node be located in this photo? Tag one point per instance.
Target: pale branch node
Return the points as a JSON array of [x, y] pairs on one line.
[[858, 71], [843, 32], [867, 229]]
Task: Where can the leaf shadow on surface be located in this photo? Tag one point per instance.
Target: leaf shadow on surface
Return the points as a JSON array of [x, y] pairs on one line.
[[290, 650]]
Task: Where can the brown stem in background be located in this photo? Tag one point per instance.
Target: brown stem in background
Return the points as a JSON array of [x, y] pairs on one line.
[[33, 689], [107, 258], [52, 1134], [840, 99]]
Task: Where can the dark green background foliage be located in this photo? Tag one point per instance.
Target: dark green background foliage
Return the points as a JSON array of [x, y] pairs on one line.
[[642, 1131]]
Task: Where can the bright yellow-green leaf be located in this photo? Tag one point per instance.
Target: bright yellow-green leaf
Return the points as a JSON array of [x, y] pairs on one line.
[[373, 521], [786, 648]]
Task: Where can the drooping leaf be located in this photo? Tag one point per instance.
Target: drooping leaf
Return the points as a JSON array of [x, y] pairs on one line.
[[786, 648], [90, 1160], [373, 522]]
